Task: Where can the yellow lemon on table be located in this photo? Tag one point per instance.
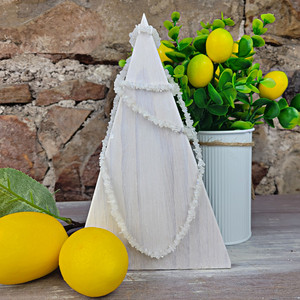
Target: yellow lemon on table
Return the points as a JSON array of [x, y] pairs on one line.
[[30, 243], [219, 45], [93, 261], [281, 84], [200, 71], [162, 53]]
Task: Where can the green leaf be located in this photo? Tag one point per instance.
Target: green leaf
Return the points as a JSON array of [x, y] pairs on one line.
[[237, 64], [282, 104], [204, 31], [261, 102], [170, 69], [200, 98], [230, 95], [225, 77], [243, 89], [252, 75], [188, 102], [258, 41], [184, 43], [200, 43], [242, 97], [173, 33], [206, 26], [122, 63], [218, 110], [175, 16], [270, 122], [268, 82], [272, 110], [218, 24], [233, 79], [168, 24], [289, 118], [241, 125], [245, 46], [21, 185], [187, 51], [179, 70], [228, 22], [296, 102], [214, 95], [206, 121], [253, 88], [267, 18], [255, 67], [257, 26], [168, 44], [259, 75], [176, 56], [184, 81]]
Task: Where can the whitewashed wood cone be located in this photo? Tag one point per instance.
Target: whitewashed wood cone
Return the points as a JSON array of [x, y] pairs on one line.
[[153, 173]]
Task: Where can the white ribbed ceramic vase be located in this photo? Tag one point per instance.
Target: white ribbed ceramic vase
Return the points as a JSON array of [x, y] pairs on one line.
[[227, 179]]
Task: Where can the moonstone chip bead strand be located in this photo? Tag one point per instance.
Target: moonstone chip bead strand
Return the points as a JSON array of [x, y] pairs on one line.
[[145, 29], [188, 130]]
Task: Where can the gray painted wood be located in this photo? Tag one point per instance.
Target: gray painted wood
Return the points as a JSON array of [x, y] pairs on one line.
[[265, 267]]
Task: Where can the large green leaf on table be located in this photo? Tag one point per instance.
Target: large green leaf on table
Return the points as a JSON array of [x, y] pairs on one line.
[[258, 41], [268, 82], [184, 43], [282, 104], [261, 102], [214, 95], [218, 110], [241, 125], [173, 33], [245, 46], [200, 98], [200, 43], [225, 77], [168, 44], [272, 110], [14, 183], [176, 56], [237, 63], [242, 97]]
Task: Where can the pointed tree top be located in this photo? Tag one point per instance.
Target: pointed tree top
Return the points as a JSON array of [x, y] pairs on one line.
[[144, 21]]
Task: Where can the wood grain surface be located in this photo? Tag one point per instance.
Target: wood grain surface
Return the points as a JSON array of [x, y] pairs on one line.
[[153, 175], [267, 267]]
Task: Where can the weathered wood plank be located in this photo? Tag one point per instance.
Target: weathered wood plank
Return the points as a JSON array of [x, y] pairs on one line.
[[265, 267]]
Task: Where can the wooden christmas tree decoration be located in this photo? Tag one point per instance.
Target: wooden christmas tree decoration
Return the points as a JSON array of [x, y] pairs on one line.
[[150, 191]]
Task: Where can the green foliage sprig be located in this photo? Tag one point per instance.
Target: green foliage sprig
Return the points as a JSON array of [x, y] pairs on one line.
[[227, 102], [19, 192]]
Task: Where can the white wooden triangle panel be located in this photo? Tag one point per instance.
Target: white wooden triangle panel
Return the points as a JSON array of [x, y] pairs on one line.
[[153, 173]]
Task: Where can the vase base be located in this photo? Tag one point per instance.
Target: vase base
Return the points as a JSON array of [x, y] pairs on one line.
[[238, 242]]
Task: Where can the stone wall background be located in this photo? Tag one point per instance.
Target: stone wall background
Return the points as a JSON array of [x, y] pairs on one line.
[[58, 61]]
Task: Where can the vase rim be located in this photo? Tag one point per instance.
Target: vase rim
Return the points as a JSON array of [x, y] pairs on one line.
[[226, 131]]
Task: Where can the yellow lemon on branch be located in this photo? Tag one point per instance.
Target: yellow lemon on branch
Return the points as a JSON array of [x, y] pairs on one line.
[[200, 71]]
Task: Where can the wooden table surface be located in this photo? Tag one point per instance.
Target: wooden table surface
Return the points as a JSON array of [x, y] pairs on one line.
[[265, 267]]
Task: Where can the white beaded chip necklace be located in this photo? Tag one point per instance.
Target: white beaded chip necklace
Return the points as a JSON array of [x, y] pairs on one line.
[[188, 130]]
